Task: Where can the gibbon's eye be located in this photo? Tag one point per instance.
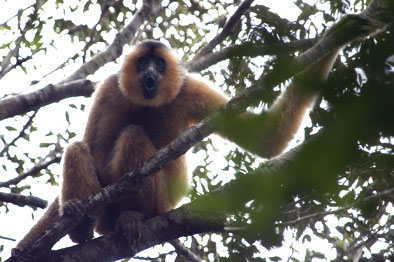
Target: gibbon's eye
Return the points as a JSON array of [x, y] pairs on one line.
[[160, 64], [142, 63]]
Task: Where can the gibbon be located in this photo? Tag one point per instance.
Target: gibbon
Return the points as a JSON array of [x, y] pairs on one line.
[[149, 103]]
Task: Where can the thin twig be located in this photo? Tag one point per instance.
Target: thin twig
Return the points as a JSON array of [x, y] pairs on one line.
[[188, 254], [21, 133], [37, 168], [227, 30]]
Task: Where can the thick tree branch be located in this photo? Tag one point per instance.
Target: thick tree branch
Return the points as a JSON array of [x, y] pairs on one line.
[[20, 200], [21, 104], [172, 225]]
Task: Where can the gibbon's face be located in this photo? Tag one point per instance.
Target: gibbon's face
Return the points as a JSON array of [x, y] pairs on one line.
[[150, 68], [151, 75]]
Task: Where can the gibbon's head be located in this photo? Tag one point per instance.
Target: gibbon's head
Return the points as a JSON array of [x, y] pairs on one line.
[[151, 74]]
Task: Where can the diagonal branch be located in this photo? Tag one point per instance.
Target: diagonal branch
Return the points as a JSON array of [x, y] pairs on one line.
[[185, 251], [227, 29], [249, 49]]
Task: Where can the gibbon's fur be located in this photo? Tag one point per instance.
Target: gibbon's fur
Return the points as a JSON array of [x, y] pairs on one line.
[[143, 108]]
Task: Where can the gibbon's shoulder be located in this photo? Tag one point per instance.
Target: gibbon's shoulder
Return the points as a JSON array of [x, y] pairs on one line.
[[109, 92], [199, 88]]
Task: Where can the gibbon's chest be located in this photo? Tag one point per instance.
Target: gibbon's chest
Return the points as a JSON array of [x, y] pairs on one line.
[[162, 124]]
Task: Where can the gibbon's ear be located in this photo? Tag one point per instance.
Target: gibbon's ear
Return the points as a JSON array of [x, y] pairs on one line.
[[169, 81]]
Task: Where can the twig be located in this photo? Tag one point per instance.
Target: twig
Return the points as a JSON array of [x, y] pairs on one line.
[[388, 191], [13, 53], [8, 238], [188, 254], [37, 168], [17, 14], [21, 133], [227, 29]]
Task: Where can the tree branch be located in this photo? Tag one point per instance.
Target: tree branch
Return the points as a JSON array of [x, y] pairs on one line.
[[20, 104], [185, 220], [188, 254], [21, 133], [20, 200], [5, 63], [248, 49], [228, 29], [37, 168]]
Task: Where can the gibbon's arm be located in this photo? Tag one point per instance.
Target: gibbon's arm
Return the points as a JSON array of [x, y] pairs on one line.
[[268, 134]]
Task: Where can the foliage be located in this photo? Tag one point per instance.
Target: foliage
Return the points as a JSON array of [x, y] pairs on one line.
[[347, 205]]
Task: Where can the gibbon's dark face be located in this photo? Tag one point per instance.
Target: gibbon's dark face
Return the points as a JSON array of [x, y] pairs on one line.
[[150, 69]]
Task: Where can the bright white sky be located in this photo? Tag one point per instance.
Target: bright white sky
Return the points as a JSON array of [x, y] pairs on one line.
[[17, 81]]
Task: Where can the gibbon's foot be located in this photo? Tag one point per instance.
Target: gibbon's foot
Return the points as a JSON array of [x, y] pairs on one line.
[[15, 251], [72, 207], [84, 231], [129, 225]]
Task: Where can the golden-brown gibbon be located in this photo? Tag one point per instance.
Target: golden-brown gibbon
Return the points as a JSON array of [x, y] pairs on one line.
[[144, 107]]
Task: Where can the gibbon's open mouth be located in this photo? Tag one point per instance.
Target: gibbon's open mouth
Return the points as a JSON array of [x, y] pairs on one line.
[[149, 87]]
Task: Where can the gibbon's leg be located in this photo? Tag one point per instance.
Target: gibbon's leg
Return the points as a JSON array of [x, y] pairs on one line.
[[131, 149], [79, 181], [165, 189], [50, 216], [171, 185]]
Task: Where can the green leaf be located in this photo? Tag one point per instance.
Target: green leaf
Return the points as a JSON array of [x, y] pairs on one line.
[[67, 117], [10, 128], [42, 145]]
